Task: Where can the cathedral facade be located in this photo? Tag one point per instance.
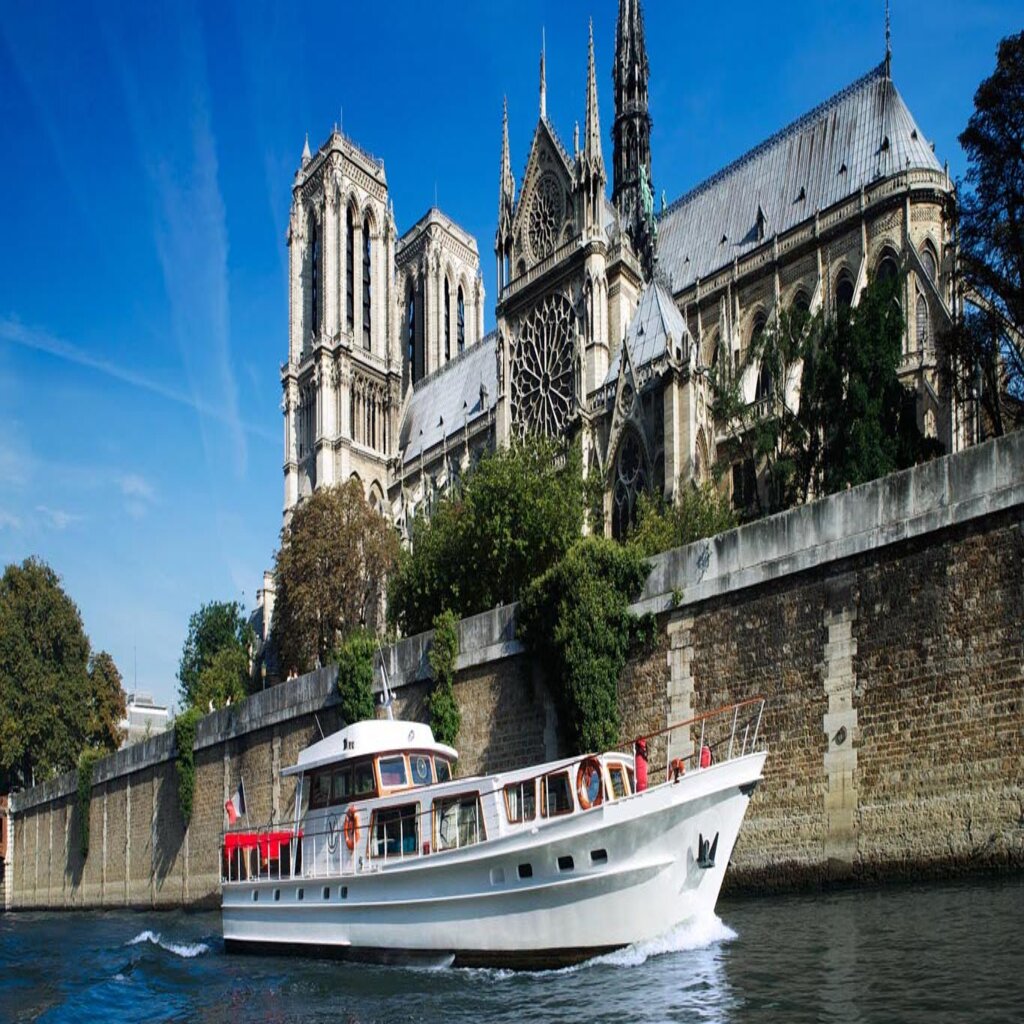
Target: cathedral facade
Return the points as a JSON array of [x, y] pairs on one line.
[[610, 314]]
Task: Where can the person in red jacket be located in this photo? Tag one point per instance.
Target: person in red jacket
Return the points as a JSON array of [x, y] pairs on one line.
[[640, 760]]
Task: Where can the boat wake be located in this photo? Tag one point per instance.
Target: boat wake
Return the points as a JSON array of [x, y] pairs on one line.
[[186, 950], [698, 933]]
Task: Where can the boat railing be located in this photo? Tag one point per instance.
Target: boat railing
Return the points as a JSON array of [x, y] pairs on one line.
[[279, 853]]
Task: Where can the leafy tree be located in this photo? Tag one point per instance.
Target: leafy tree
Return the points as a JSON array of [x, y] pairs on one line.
[[697, 512], [985, 350], [576, 621], [45, 695], [185, 761], [355, 675], [849, 421], [445, 716], [223, 681], [108, 705], [216, 626], [335, 556], [517, 513]]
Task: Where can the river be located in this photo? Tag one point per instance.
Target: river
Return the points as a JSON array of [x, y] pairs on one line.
[[941, 952]]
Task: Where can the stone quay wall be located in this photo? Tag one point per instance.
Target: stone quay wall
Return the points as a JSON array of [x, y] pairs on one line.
[[885, 625]]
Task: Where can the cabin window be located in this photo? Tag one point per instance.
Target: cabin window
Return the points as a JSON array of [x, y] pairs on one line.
[[420, 765], [617, 778], [443, 769], [341, 786], [521, 801], [320, 792], [557, 795], [396, 831], [392, 772], [458, 822], [629, 779]]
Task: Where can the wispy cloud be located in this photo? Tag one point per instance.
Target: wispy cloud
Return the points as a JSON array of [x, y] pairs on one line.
[[139, 494], [9, 521], [57, 518], [15, 332]]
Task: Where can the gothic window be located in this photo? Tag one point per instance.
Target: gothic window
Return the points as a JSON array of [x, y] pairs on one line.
[[350, 274], [930, 264], [410, 328], [448, 320], [744, 485], [314, 275], [545, 220], [801, 304], [366, 283], [630, 483], [764, 384], [923, 331], [888, 271], [461, 321], [844, 291], [541, 374]]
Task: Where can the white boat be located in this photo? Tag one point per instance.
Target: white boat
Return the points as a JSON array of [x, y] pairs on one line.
[[392, 856]]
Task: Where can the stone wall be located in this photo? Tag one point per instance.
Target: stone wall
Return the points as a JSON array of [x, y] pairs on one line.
[[885, 625]]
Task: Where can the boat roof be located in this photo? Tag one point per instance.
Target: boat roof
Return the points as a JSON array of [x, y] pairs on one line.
[[378, 736]]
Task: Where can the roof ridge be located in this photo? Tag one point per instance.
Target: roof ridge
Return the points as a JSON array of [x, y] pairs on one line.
[[791, 129]]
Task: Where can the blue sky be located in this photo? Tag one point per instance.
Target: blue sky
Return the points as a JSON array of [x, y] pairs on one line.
[[147, 154]]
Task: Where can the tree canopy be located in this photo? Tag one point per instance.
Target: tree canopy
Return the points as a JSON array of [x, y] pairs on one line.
[[331, 571], [832, 412], [217, 626], [698, 511], [985, 349], [515, 515], [53, 703]]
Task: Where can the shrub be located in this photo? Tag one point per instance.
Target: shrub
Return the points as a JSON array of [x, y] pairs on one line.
[[445, 716], [185, 740], [354, 659]]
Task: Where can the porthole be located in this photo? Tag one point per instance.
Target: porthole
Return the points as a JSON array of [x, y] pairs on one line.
[[344, 892], [526, 871], [327, 892], [277, 895], [598, 856], [566, 863], [255, 895], [300, 894]]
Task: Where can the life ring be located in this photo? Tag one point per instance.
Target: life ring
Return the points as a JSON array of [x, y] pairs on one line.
[[350, 828], [589, 769]]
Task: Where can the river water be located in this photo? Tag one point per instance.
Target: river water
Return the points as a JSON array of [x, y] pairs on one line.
[[944, 952]]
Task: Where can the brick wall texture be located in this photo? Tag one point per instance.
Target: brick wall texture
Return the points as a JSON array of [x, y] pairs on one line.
[[895, 724]]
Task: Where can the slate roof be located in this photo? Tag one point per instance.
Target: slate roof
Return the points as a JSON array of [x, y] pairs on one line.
[[444, 402], [656, 322], [859, 135]]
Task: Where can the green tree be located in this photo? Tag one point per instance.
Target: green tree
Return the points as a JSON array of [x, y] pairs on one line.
[[832, 412], [984, 352], [516, 514], [216, 626], [354, 659], [445, 716], [224, 680], [331, 572], [45, 694], [699, 511], [107, 702], [576, 621]]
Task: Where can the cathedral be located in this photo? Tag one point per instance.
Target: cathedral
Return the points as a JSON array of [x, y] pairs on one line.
[[610, 313]]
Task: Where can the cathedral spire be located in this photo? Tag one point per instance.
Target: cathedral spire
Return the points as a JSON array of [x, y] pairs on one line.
[[506, 205], [888, 42], [543, 78], [633, 183], [592, 135]]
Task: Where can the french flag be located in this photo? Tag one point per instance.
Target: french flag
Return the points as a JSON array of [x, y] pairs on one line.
[[236, 805]]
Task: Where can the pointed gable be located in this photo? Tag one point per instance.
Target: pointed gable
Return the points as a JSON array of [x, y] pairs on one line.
[[859, 135], [656, 326]]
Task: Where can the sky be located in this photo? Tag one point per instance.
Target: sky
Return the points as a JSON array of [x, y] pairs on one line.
[[146, 158]]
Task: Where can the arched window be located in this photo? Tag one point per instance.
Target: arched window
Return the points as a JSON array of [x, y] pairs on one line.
[[923, 327], [461, 325], [447, 320], [802, 303], [760, 322], [764, 383], [366, 283], [931, 267], [314, 275], [630, 483], [844, 291], [350, 276], [410, 328], [888, 270]]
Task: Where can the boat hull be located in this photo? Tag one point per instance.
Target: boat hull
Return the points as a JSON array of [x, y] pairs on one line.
[[624, 872]]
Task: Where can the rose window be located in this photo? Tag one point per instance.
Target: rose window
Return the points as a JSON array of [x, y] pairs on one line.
[[545, 216], [630, 483], [542, 374]]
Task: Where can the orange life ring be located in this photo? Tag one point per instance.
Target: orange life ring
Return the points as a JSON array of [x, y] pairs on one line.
[[589, 767], [350, 828]]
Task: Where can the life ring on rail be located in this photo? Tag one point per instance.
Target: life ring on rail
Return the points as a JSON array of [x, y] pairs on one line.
[[589, 773], [350, 828]]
